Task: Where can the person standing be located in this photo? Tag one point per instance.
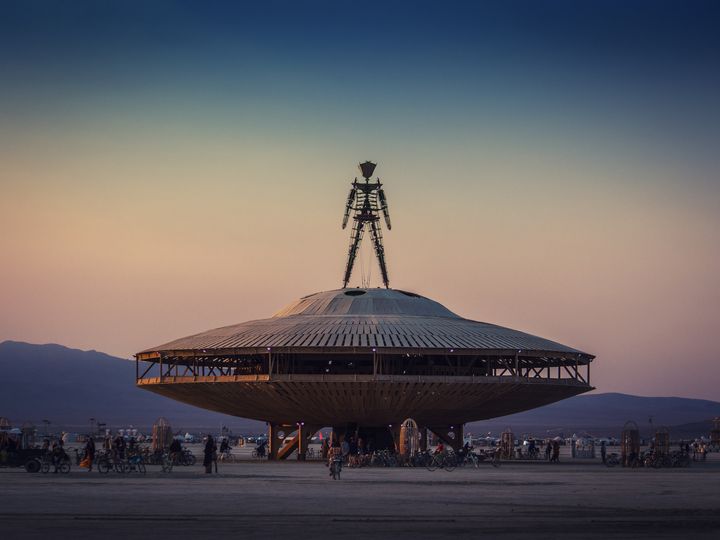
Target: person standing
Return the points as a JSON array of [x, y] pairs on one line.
[[215, 456], [119, 446], [555, 452], [603, 452], [90, 452], [208, 454], [345, 448], [324, 447]]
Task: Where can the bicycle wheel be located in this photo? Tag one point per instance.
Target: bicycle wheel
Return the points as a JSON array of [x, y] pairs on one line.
[[45, 467], [120, 467], [450, 463], [33, 466], [104, 466], [434, 464], [64, 467]]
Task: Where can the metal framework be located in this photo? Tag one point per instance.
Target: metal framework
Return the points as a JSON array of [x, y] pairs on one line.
[[360, 363], [367, 200]]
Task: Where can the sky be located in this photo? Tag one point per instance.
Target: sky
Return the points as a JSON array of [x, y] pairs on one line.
[[168, 167]]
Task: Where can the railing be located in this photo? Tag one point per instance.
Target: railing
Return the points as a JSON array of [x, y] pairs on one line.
[[324, 377]]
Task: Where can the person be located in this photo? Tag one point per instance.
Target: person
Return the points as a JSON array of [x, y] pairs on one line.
[[57, 455], [215, 456], [440, 448], [261, 448], [208, 454], [175, 451], [90, 452], [532, 449], [603, 452], [548, 450], [345, 448], [353, 446], [334, 454], [119, 445], [325, 448], [555, 452]]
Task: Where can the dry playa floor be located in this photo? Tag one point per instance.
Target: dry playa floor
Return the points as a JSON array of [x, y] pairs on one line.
[[299, 500]]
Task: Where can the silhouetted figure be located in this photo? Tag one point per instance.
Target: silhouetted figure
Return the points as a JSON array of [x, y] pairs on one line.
[[119, 445], [555, 452], [208, 454], [90, 452]]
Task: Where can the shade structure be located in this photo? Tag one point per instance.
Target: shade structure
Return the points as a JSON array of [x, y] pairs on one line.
[[368, 357]]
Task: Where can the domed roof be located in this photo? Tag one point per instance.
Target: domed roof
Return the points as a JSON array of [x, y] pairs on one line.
[[348, 320], [366, 302]]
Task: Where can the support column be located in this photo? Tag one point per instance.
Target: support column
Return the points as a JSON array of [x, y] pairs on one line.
[[273, 442], [395, 431], [305, 434]]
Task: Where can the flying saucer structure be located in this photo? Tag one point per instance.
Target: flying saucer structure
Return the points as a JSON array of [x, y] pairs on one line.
[[363, 360]]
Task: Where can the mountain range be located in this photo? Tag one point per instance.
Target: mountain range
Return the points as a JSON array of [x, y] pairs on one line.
[[68, 387]]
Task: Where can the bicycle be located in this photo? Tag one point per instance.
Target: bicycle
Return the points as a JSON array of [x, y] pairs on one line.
[[109, 461], [611, 460], [60, 462], [187, 458], [443, 460], [135, 462], [491, 456], [169, 460]]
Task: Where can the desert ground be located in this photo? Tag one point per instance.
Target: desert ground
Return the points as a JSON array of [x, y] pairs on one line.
[[573, 499]]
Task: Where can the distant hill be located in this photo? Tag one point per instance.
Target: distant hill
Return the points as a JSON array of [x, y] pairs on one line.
[[601, 413], [68, 387]]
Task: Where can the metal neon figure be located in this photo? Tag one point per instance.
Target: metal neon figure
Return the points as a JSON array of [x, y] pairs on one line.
[[367, 200]]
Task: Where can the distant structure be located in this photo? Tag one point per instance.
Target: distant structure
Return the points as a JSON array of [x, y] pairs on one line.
[[364, 361], [367, 200]]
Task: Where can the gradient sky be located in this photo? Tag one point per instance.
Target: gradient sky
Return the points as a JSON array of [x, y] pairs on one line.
[[169, 167]]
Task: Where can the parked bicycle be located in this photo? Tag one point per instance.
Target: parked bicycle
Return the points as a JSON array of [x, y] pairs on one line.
[[135, 462], [58, 462], [109, 461], [383, 458], [444, 460], [611, 460]]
